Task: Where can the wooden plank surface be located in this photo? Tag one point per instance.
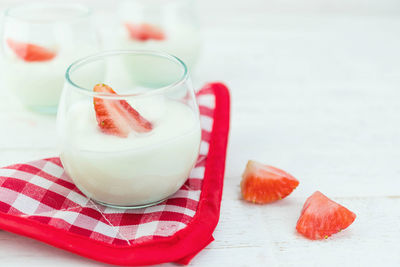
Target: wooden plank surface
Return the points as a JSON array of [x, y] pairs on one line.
[[315, 91]]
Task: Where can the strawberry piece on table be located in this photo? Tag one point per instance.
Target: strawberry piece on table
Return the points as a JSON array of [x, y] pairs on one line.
[[144, 32], [322, 217], [30, 52], [264, 184], [117, 117]]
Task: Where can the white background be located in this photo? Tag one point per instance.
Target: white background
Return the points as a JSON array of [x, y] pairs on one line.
[[315, 91]]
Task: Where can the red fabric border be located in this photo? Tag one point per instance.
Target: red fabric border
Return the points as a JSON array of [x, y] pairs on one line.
[[182, 246]]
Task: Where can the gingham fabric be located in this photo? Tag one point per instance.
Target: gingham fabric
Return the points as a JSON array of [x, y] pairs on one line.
[[42, 191]]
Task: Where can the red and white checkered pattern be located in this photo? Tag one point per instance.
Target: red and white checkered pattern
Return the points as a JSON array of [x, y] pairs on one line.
[[41, 191]]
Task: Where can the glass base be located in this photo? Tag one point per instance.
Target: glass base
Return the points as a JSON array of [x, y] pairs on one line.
[[129, 207], [49, 110]]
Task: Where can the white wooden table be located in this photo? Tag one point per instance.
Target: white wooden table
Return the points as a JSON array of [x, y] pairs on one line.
[[316, 91]]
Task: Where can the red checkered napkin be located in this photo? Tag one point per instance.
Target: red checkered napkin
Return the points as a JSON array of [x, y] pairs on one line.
[[38, 199]]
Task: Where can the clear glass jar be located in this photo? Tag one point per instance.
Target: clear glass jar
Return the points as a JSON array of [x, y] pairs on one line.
[[166, 25], [110, 160], [39, 41]]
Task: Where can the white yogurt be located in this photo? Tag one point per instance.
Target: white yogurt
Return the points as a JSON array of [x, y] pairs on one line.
[[138, 170]]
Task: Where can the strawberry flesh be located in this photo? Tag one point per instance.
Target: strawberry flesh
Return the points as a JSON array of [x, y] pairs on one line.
[[264, 184], [322, 217], [30, 52], [144, 32], [117, 117]]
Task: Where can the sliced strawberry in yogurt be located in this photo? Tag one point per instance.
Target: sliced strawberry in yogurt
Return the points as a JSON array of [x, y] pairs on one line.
[[117, 117], [144, 32], [30, 52]]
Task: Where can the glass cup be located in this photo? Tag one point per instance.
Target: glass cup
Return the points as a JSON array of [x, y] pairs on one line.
[[167, 25], [136, 145], [39, 41]]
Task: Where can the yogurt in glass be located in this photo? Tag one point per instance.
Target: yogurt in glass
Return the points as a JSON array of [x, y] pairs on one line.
[[166, 25], [39, 41], [127, 142]]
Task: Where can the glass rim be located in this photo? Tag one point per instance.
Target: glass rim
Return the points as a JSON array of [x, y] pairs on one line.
[[146, 2], [84, 12], [156, 91]]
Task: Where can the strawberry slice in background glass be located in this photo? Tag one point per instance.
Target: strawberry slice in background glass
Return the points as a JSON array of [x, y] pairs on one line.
[[144, 32], [30, 52]]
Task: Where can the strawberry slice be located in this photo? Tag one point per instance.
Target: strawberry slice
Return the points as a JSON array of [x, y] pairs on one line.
[[144, 32], [322, 217], [117, 117], [264, 184], [30, 52]]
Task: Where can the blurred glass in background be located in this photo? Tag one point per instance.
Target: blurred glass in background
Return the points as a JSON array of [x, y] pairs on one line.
[[38, 42], [167, 25]]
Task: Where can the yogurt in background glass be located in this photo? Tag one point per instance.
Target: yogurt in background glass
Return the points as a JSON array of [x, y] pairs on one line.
[[39, 41], [142, 168], [166, 25]]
